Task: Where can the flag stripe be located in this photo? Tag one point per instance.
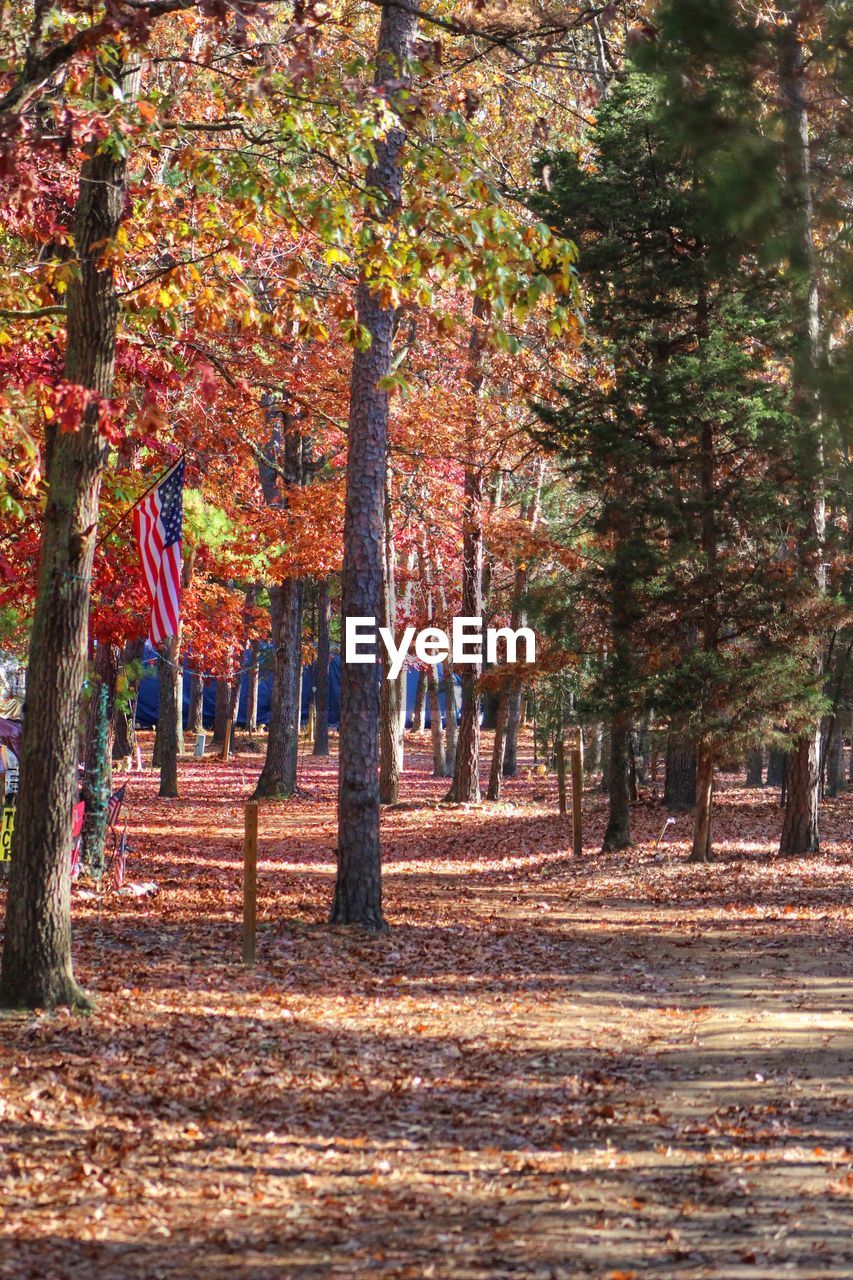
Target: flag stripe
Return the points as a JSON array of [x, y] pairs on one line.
[[157, 521]]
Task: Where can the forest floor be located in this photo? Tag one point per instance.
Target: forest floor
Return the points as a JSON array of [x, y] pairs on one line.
[[619, 1066]]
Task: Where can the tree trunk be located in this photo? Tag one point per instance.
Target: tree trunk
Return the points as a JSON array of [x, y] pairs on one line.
[[99, 739], [518, 618], [439, 763], [390, 762], [466, 769], [358, 889], [800, 823], [195, 719], [679, 788], [633, 794], [234, 686], [835, 760], [321, 722], [440, 766], [560, 760], [36, 970], [618, 833], [513, 723], [169, 675], [777, 763], [389, 755], [802, 793], [604, 747], [701, 851], [419, 711], [221, 709], [124, 727], [499, 748], [123, 734], [254, 679], [643, 754], [754, 768], [589, 748], [448, 688], [489, 703], [178, 673], [278, 776], [592, 747]]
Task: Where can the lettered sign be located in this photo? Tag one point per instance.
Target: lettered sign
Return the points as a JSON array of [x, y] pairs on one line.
[[6, 826]]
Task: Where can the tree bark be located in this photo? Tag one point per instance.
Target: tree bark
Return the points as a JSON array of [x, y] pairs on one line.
[[835, 760], [800, 824], [389, 755], [419, 710], [679, 788], [439, 763], [440, 766], [618, 832], [643, 757], [169, 676], [98, 772], [489, 707], [321, 722], [508, 746], [633, 794], [358, 889], [124, 726], [451, 728], [560, 759], [222, 708], [604, 747], [253, 682], [513, 723], [499, 748], [36, 970], [754, 768], [279, 774], [592, 747], [701, 850], [800, 831], [621, 668], [195, 719], [390, 762], [466, 768], [777, 762]]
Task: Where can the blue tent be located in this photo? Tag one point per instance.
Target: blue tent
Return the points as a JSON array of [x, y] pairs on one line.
[[148, 702]]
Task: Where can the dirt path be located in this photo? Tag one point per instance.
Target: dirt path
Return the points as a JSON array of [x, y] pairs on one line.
[[623, 1068]]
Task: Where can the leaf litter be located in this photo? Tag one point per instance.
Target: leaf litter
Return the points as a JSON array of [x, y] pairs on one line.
[[616, 1066]]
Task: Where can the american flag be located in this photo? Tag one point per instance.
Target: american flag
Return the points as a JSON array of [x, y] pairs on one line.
[[158, 521], [114, 806]]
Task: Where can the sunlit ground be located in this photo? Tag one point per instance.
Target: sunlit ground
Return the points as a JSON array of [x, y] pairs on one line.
[[618, 1066]]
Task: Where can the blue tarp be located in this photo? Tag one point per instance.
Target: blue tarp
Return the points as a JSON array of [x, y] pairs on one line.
[[148, 702]]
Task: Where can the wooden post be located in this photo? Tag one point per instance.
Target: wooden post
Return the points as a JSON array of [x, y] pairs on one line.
[[560, 752], [576, 749], [250, 880], [226, 746]]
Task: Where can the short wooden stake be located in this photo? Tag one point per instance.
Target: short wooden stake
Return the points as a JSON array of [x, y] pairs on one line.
[[577, 794], [250, 881]]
